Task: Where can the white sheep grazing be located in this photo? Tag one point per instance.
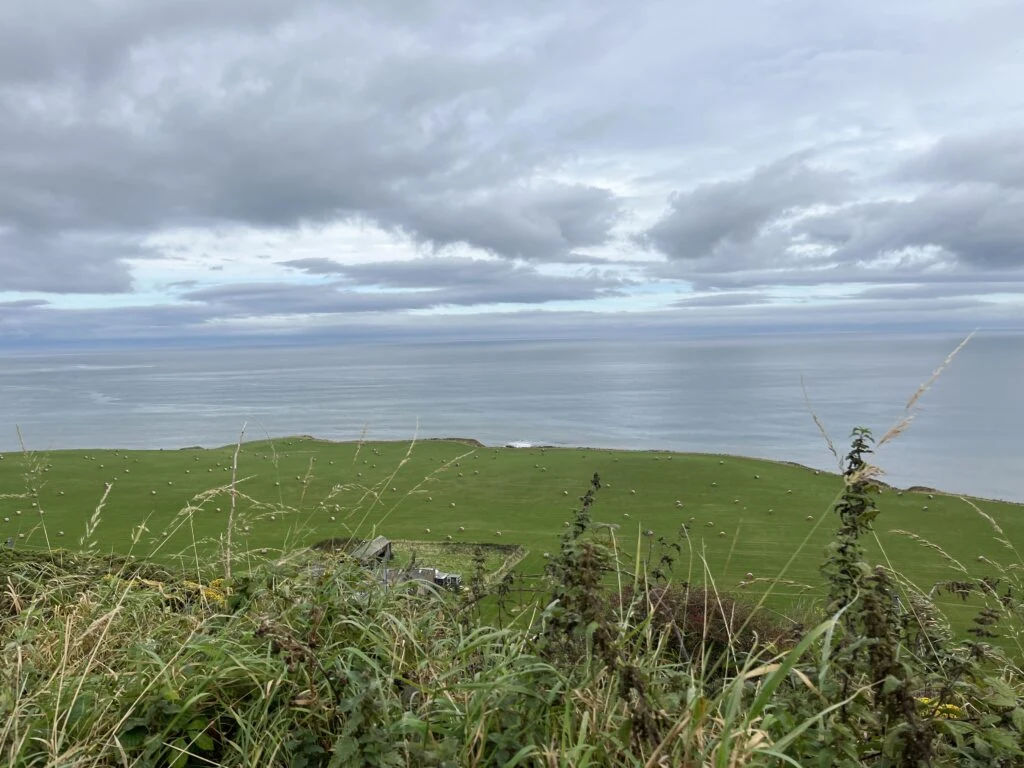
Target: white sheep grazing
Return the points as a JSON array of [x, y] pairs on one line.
[[426, 530], [462, 528], [748, 576]]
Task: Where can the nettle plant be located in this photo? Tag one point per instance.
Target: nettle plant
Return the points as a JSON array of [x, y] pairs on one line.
[[898, 688]]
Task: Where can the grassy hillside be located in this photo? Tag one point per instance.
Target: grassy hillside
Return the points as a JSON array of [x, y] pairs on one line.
[[745, 516]]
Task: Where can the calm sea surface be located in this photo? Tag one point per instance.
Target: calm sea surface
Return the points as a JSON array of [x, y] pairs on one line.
[[732, 396]]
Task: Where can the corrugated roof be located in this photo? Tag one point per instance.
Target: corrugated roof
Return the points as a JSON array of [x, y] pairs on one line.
[[370, 548]]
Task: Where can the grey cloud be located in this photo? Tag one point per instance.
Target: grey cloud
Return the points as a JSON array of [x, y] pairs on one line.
[[725, 299], [23, 304], [982, 158], [439, 272], [965, 287], [91, 39], [523, 222], [362, 112], [979, 224], [427, 286], [733, 213], [64, 263]]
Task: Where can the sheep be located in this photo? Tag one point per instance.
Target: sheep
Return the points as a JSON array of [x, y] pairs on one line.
[[633, 492], [497, 533], [810, 517], [748, 576], [448, 537], [625, 514], [452, 505], [426, 530], [462, 528]]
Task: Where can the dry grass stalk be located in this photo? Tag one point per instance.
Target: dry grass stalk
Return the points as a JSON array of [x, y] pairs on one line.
[[908, 416]]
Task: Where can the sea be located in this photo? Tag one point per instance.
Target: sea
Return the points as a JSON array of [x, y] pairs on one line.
[[760, 396]]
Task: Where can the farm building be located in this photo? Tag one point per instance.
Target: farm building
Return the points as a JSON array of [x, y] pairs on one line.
[[378, 549]]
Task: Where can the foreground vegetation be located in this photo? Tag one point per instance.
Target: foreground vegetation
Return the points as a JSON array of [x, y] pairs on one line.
[[629, 661]]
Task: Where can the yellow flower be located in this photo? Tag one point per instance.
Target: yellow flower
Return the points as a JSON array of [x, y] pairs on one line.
[[943, 711]]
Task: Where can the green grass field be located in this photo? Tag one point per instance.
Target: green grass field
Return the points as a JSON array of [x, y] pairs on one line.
[[745, 515]]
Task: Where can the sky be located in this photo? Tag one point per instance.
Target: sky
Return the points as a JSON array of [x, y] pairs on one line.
[[190, 171]]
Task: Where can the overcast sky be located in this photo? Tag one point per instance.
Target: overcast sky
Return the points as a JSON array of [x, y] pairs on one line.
[[186, 169]]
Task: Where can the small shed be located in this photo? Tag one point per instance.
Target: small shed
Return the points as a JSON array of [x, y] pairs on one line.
[[375, 550]]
